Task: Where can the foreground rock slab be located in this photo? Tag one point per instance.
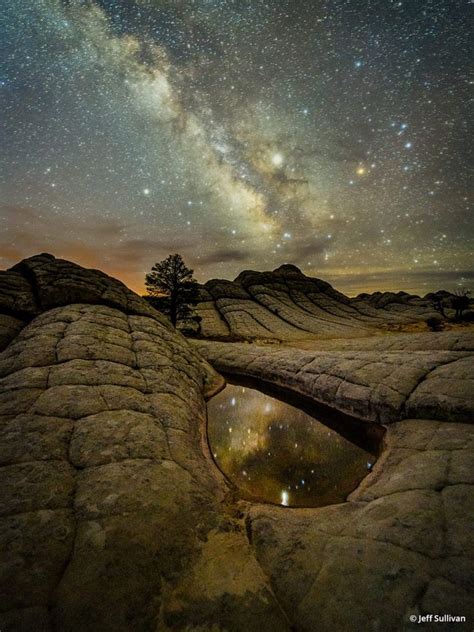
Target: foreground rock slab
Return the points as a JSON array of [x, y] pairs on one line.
[[401, 546]]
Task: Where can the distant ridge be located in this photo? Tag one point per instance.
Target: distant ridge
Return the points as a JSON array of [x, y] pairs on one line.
[[285, 304]]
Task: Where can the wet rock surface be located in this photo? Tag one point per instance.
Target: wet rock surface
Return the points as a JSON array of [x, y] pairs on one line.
[[114, 517]]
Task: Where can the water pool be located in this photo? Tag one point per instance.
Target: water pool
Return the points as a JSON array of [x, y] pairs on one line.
[[277, 453]]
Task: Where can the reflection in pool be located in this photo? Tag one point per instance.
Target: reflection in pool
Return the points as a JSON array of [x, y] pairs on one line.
[[277, 453]]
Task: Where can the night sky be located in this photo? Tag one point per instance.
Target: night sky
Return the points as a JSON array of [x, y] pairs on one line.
[[242, 134]]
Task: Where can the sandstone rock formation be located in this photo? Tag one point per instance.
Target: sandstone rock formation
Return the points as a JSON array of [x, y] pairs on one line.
[[402, 545], [404, 302], [287, 305], [109, 502], [114, 517]]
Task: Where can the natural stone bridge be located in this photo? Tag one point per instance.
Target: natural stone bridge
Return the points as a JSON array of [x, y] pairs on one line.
[[114, 516], [383, 379]]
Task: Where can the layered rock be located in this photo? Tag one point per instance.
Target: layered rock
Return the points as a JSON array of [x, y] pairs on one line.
[[405, 302], [287, 305], [114, 516]]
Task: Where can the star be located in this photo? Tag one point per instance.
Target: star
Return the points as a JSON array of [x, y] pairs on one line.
[[277, 159]]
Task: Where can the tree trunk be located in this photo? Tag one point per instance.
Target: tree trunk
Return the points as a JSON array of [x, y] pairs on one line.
[[173, 308]]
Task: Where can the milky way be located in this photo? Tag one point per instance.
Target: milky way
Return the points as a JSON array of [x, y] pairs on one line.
[[242, 134]]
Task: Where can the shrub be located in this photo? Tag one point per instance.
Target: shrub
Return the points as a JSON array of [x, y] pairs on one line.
[[435, 323]]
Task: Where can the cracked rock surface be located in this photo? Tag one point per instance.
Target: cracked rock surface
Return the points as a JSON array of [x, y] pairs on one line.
[[383, 379], [109, 503], [114, 517], [402, 545]]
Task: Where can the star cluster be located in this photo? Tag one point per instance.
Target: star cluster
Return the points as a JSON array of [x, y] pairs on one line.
[[242, 134]]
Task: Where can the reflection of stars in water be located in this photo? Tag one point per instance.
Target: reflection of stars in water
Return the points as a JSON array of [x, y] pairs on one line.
[[267, 443], [277, 159]]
